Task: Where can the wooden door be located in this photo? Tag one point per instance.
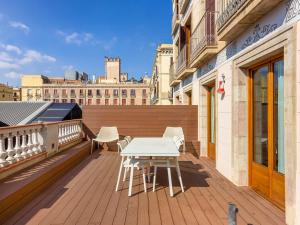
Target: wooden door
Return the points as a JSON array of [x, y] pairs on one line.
[[266, 130], [211, 125]]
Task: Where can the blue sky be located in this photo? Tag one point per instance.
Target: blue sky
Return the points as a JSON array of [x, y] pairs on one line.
[[49, 38]]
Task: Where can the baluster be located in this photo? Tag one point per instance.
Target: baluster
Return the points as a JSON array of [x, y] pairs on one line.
[[39, 139], [24, 153], [59, 134], [29, 144], [34, 142], [10, 151], [68, 136], [62, 134], [3, 153], [73, 131], [18, 148]]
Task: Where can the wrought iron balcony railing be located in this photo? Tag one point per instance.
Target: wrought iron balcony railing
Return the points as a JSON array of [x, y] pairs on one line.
[[231, 8], [182, 60], [204, 35], [175, 18]]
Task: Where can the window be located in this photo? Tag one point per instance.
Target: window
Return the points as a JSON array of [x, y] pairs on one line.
[[144, 102], [115, 101], [106, 101], [106, 92], [89, 101], [46, 91], [56, 100], [81, 92], [98, 92], [123, 101], [90, 93], [144, 92], [124, 93], [116, 93], [64, 92], [80, 101], [132, 101], [64, 101], [55, 91], [132, 92], [73, 93], [73, 100], [98, 101]]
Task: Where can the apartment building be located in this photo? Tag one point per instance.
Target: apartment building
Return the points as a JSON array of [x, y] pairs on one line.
[[16, 94], [161, 93], [112, 89], [6, 93], [238, 60]]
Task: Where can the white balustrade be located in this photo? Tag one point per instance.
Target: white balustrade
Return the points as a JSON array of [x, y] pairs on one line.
[[69, 131], [22, 142]]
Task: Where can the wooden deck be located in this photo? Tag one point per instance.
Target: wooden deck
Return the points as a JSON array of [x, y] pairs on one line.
[[86, 195]]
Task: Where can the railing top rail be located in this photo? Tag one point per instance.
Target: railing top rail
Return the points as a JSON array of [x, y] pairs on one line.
[[38, 124]]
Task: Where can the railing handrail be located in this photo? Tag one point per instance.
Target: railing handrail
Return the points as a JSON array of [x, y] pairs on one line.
[[231, 8]]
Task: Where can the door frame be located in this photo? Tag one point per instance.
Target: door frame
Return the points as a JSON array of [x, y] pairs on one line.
[[209, 87], [270, 169]]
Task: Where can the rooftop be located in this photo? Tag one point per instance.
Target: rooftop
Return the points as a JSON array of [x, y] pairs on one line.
[[86, 195]]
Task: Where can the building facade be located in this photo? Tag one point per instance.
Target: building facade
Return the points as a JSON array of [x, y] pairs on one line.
[[16, 94], [241, 67], [6, 93], [41, 88], [160, 80]]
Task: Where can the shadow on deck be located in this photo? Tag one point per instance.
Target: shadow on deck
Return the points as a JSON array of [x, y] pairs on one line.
[[86, 195]]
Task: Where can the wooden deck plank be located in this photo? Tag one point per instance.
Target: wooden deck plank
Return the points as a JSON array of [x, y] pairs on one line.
[[95, 190], [69, 196], [86, 195]]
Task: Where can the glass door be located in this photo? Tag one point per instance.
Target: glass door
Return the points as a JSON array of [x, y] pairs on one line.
[[266, 152], [211, 131]]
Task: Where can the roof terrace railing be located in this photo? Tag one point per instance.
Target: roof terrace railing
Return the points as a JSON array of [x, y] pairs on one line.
[[23, 143]]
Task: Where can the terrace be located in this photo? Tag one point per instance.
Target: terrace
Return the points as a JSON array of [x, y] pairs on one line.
[[71, 187]]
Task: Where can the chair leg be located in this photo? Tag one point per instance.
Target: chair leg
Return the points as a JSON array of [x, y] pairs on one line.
[[154, 178], [92, 147], [179, 175], [119, 175], [144, 178], [170, 179], [130, 181], [125, 174], [148, 171]]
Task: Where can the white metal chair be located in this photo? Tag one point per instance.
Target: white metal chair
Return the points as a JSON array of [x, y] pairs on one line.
[[169, 163], [130, 163], [106, 135], [175, 131], [128, 139]]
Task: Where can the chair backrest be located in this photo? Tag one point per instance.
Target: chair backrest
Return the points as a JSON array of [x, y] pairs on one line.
[[174, 131], [122, 144], [178, 141], [128, 139], [109, 133]]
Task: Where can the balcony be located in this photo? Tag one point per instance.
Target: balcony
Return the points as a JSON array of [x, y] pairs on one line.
[[182, 68], [107, 95], [72, 187], [175, 21], [73, 95], [132, 95], [182, 5], [240, 15], [173, 81], [98, 95], [64, 95], [204, 40], [81, 95], [47, 96], [55, 95]]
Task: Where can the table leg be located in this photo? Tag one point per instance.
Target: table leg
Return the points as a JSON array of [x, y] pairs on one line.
[[170, 178], [130, 181], [179, 175], [120, 171]]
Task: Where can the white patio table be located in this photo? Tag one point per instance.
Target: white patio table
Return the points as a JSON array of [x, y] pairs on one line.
[[151, 147]]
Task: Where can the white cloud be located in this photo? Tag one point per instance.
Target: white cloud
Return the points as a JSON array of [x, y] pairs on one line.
[[8, 65], [12, 48], [5, 57], [35, 56], [12, 75], [68, 67], [76, 38], [20, 26], [108, 45]]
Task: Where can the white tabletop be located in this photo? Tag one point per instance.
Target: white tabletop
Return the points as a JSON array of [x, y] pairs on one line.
[[151, 147]]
